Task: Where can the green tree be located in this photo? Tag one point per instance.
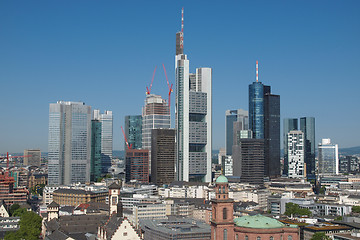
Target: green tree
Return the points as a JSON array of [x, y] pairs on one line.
[[13, 208], [19, 212], [322, 190], [320, 236], [30, 227], [294, 209], [356, 209]]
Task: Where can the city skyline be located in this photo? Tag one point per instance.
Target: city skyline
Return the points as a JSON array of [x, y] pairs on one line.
[[104, 54]]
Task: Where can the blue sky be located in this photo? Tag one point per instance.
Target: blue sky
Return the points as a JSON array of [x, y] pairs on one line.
[[104, 53]]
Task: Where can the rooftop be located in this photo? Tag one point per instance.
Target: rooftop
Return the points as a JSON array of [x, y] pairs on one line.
[[259, 221]]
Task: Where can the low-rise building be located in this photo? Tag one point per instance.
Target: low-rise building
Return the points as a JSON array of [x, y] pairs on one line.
[[328, 228], [74, 197]]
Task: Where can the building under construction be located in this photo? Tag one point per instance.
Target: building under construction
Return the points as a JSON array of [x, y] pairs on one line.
[[10, 194]]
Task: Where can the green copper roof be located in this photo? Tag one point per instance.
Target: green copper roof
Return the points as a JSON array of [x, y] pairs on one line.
[[221, 179], [259, 221]]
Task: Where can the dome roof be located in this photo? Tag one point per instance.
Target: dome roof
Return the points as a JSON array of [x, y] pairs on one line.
[[222, 179], [259, 221]]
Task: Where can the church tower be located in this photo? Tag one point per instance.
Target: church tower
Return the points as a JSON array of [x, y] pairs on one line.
[[222, 222], [114, 197]]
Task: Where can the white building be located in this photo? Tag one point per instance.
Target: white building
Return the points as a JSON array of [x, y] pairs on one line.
[[328, 157], [296, 157], [146, 211], [69, 143], [193, 117]]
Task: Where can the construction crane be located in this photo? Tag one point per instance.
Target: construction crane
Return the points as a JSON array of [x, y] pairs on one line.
[[126, 141], [148, 90], [7, 161], [170, 87]]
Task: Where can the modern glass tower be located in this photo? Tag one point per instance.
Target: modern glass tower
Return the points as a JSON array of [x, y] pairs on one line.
[[69, 143], [106, 120], [95, 168], [290, 124], [193, 116], [307, 126], [295, 149], [234, 120], [256, 109], [328, 157], [133, 131]]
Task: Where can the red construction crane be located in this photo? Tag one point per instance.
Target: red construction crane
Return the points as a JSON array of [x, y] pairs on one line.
[[126, 141], [152, 80], [170, 87], [7, 161]]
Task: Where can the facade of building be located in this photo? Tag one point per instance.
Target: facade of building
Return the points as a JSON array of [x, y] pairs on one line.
[[227, 165], [34, 158], [290, 124], [248, 160], [193, 116], [162, 156], [133, 131], [9, 194], [256, 109], [328, 157], [69, 143], [106, 120], [95, 168], [307, 126], [234, 120], [75, 197], [137, 165], [295, 151]]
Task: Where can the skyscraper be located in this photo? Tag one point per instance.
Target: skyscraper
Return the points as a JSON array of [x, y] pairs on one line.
[[137, 165], [162, 156], [133, 131], [155, 115], [69, 143], [290, 124], [192, 118], [106, 120], [295, 149], [34, 158], [307, 126], [95, 162], [328, 157], [235, 120], [264, 121]]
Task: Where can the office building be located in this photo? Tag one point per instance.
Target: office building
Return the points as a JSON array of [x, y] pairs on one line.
[[227, 165], [307, 126], [290, 124], [133, 131], [295, 150], [95, 162], [34, 157], [264, 121], [155, 114], [193, 118], [349, 164], [69, 143], [137, 165], [162, 156], [106, 120], [328, 157], [236, 120]]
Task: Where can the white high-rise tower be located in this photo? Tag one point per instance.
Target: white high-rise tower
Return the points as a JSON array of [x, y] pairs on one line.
[[193, 116]]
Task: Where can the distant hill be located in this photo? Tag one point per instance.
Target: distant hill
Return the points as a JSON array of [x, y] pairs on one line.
[[350, 151]]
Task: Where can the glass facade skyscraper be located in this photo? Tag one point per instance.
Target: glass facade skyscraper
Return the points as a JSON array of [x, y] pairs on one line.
[[256, 109], [95, 168], [133, 131], [235, 120], [307, 126], [69, 143], [328, 157]]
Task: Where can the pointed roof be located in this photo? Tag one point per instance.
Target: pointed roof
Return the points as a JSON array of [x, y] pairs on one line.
[[114, 185], [53, 204]]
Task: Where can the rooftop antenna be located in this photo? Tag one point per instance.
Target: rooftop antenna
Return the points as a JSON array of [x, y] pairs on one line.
[[257, 71], [182, 29]]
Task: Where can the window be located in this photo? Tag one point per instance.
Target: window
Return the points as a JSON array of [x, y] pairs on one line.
[[224, 213], [246, 237], [125, 234], [289, 237], [225, 234], [258, 238], [271, 238], [237, 237]]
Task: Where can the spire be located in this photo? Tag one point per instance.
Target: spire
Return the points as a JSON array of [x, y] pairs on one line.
[[182, 30], [257, 71]]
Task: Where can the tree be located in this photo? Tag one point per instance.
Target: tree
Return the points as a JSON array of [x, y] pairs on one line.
[[30, 226], [356, 209], [294, 209], [320, 236], [322, 190], [19, 212], [13, 208]]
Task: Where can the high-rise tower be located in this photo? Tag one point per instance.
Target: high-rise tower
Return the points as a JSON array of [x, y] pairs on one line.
[[192, 118], [307, 126], [133, 131], [236, 120], [290, 124], [69, 143]]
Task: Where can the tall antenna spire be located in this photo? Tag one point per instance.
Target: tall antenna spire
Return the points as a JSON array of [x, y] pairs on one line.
[[257, 71], [182, 20]]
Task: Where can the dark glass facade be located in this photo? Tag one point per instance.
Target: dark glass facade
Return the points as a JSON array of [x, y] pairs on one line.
[[229, 122], [272, 134], [95, 162], [137, 165], [133, 131], [290, 124], [307, 126]]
